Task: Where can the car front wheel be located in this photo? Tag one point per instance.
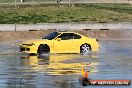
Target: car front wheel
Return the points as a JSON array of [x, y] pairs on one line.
[[43, 49], [85, 48]]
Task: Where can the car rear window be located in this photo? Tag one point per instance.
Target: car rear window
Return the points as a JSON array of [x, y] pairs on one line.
[[51, 36]]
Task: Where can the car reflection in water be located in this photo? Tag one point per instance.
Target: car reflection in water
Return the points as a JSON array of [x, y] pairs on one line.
[[53, 71], [60, 64]]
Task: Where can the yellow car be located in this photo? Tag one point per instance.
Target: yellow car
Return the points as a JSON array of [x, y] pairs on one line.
[[60, 42]]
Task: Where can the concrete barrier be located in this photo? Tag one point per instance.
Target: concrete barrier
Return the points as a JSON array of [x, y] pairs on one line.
[[7, 27], [65, 26], [14, 32]]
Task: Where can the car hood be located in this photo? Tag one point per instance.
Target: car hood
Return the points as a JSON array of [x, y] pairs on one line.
[[35, 41]]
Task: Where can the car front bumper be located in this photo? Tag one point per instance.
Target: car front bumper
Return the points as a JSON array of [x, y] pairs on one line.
[[28, 49]]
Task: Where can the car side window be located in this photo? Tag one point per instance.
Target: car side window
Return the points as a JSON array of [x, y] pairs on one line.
[[77, 36], [66, 36]]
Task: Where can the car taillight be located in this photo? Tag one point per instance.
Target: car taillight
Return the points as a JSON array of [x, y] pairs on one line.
[[97, 40]]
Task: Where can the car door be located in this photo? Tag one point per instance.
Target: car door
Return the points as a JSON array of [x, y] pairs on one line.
[[64, 43], [77, 41]]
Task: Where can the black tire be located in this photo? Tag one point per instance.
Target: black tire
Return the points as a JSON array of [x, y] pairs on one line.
[[32, 54], [85, 48], [43, 49], [86, 82]]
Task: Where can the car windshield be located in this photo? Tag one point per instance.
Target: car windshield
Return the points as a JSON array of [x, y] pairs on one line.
[[51, 36]]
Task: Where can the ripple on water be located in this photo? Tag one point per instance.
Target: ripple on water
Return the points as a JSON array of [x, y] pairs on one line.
[[113, 61]]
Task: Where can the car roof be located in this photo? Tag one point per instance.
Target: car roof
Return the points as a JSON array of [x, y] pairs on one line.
[[67, 32]]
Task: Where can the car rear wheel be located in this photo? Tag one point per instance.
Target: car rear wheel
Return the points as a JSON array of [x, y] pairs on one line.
[[43, 49], [85, 48]]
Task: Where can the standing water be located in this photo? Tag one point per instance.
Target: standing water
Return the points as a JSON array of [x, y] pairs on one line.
[[17, 70]]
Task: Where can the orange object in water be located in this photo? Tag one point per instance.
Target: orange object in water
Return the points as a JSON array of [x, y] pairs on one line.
[[84, 74]]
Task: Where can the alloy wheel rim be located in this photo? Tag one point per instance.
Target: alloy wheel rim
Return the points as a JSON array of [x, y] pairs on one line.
[[85, 48]]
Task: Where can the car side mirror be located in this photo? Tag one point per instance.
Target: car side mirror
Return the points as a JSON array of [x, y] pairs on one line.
[[58, 39]]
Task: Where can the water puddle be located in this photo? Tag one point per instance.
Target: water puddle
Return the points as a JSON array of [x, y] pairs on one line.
[[113, 61]]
